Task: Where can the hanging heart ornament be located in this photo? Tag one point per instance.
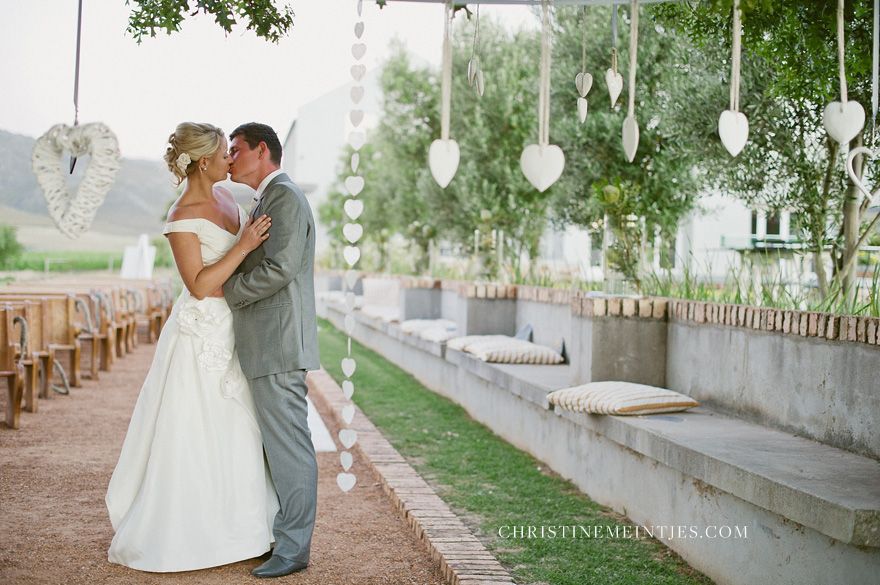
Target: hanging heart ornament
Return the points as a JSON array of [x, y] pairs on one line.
[[614, 80], [443, 158], [843, 122], [584, 82], [852, 174], [73, 213], [542, 165], [733, 128]]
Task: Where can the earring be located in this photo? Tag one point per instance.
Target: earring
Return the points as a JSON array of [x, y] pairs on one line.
[[203, 169]]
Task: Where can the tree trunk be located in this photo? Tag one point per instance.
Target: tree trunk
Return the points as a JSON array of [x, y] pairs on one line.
[[851, 221]]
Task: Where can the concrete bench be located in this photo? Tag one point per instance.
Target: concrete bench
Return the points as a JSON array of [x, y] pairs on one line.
[[812, 511]]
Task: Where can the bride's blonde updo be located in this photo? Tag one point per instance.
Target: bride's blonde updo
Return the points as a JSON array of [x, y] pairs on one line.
[[193, 140]]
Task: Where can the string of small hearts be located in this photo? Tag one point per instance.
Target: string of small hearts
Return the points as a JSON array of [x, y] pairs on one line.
[[733, 126], [73, 213], [352, 231], [444, 154], [843, 120], [543, 163], [475, 69], [630, 124], [583, 81]]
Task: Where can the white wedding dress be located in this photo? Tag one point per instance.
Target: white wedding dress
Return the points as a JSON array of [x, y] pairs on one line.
[[191, 489]]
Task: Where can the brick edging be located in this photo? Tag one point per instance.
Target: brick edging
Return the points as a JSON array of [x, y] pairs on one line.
[[461, 557]]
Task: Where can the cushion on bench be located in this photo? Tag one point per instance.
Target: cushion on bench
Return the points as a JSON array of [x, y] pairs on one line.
[[620, 398]]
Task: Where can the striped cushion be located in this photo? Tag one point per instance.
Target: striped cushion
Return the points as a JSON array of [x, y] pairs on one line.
[[500, 349], [622, 398]]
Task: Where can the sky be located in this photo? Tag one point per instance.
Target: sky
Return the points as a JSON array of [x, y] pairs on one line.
[[199, 74]]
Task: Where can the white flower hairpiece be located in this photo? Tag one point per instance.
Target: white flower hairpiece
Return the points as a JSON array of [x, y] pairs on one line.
[[183, 161]]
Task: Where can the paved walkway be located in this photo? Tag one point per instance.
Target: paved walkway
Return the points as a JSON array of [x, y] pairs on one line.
[[54, 527]]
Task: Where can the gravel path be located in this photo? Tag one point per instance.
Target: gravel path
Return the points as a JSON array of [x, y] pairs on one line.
[[54, 527]]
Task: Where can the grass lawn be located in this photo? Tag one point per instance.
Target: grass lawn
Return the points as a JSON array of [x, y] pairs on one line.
[[490, 483]]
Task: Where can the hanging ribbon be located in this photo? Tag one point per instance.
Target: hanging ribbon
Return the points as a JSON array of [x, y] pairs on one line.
[[76, 76], [446, 81], [633, 48], [875, 68], [736, 58], [544, 83], [613, 37], [840, 52]]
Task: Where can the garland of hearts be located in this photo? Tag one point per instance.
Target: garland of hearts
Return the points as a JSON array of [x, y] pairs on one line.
[[733, 126], [352, 231], [583, 81], [630, 124], [74, 213], [843, 120], [543, 163], [474, 69], [444, 154]]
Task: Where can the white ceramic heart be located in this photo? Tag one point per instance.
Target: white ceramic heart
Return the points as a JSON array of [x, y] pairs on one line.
[[348, 388], [349, 301], [443, 159], [351, 278], [360, 7], [353, 208], [472, 67], [356, 117], [74, 213], [348, 437], [354, 185], [358, 71], [852, 174], [346, 481], [351, 254], [733, 128], [359, 29], [582, 109], [614, 80], [843, 122], [480, 83], [584, 82], [630, 137], [355, 161], [348, 366], [346, 460], [358, 50], [357, 93], [542, 165], [349, 323], [356, 139], [352, 232], [348, 413]]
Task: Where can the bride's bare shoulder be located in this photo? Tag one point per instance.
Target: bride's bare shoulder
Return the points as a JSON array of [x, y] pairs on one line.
[[183, 209]]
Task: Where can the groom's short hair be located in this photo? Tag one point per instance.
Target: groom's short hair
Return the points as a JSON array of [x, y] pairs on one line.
[[254, 133]]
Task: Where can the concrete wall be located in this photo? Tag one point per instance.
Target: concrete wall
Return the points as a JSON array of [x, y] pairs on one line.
[[618, 348], [551, 322], [420, 303], [825, 390]]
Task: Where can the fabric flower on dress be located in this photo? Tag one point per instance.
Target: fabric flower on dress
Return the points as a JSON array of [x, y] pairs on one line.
[[194, 320], [234, 382], [215, 356]]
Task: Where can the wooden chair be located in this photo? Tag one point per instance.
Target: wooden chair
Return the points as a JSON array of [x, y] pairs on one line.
[[10, 370], [58, 331]]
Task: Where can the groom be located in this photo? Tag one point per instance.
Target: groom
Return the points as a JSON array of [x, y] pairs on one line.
[[272, 297]]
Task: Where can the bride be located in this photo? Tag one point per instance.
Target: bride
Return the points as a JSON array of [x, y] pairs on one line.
[[191, 489]]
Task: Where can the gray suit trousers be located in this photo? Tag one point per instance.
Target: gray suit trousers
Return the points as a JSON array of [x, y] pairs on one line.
[[282, 411]]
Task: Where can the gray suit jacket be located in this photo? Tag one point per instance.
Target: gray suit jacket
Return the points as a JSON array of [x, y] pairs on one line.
[[272, 293]]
